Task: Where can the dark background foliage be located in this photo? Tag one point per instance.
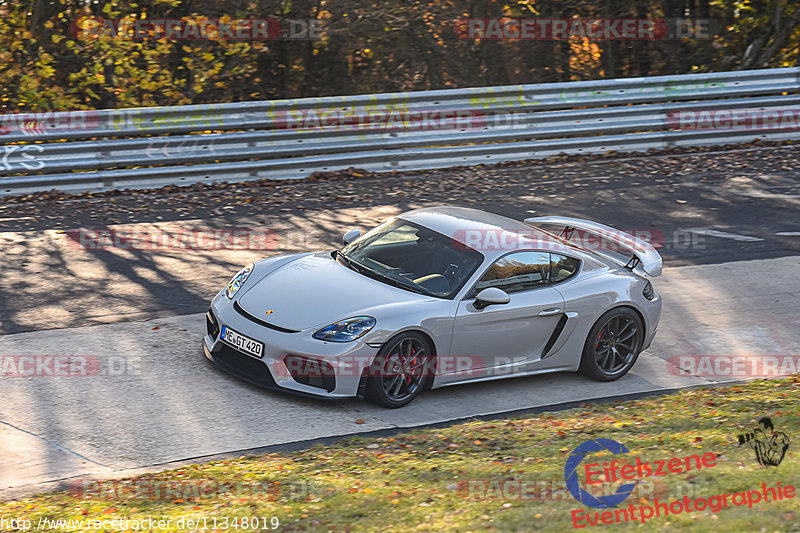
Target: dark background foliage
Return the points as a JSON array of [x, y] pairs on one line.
[[365, 47]]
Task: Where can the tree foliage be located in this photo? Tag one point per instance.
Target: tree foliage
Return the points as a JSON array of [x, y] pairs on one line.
[[365, 46]]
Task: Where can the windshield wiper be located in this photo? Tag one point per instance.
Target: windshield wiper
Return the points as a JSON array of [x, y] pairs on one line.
[[349, 263], [408, 285], [397, 282]]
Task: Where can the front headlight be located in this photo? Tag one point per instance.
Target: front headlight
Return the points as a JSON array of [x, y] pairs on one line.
[[346, 330], [238, 280]]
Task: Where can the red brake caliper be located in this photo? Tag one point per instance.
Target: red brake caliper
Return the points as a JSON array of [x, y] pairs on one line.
[[598, 340], [413, 352]]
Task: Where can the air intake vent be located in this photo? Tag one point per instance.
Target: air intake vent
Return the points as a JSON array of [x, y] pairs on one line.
[[554, 336], [648, 291], [311, 372], [212, 327]]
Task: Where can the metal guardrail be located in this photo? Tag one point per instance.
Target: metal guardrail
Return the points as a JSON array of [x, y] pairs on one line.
[[156, 146]]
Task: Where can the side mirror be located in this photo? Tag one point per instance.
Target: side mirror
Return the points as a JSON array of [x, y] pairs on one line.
[[351, 235], [491, 296]]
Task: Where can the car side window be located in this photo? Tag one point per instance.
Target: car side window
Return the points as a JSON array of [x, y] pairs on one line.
[[562, 267], [518, 271]]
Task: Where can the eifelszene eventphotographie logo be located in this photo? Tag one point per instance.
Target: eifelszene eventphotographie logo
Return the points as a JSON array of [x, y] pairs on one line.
[[581, 474], [597, 473]]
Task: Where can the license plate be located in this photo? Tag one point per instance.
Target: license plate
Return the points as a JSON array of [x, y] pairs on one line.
[[240, 342]]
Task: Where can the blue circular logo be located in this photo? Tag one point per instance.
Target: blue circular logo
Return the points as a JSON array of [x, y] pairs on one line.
[[571, 475]]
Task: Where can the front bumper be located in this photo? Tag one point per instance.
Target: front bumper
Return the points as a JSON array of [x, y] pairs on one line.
[[345, 361]]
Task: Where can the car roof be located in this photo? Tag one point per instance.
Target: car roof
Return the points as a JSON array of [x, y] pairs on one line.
[[465, 225], [452, 221]]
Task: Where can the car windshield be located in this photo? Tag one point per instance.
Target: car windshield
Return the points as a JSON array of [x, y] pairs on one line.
[[412, 257]]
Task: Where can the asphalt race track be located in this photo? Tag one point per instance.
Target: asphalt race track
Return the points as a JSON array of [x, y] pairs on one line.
[[728, 225]]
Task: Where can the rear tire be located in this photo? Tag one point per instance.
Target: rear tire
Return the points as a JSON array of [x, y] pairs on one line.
[[613, 345], [401, 370]]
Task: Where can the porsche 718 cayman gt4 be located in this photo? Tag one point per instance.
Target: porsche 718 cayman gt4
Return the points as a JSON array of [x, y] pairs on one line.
[[435, 297]]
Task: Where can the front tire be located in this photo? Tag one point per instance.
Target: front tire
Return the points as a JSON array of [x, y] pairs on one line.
[[400, 371], [613, 345]]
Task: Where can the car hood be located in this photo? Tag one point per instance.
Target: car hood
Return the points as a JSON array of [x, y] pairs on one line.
[[316, 290]]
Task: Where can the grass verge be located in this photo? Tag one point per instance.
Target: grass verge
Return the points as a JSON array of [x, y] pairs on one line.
[[502, 475]]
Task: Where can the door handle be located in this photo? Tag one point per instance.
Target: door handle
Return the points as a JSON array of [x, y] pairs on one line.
[[550, 312]]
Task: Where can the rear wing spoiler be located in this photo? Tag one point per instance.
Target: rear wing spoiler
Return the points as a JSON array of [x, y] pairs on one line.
[[642, 252]]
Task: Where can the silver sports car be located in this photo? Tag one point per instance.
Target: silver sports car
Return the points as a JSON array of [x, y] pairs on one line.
[[436, 297]]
